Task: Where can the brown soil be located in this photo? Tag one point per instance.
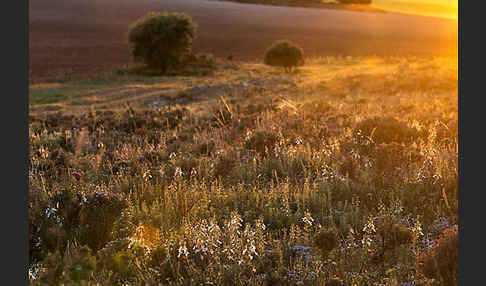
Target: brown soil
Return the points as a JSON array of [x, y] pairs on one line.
[[81, 38]]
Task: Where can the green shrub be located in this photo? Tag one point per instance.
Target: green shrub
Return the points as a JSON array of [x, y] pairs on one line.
[[284, 54], [75, 267], [69, 216], [160, 40]]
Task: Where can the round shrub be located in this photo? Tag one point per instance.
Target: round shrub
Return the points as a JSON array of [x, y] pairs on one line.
[[284, 54], [160, 40]]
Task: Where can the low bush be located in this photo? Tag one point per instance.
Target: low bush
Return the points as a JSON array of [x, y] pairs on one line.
[[67, 216], [284, 54]]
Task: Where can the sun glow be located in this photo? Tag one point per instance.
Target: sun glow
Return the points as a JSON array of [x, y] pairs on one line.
[[436, 8]]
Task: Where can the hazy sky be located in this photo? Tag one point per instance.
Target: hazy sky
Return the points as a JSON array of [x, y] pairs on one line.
[[439, 8]]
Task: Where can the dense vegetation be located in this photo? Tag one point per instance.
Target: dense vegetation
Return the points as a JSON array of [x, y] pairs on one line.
[[161, 40], [284, 54], [344, 173]]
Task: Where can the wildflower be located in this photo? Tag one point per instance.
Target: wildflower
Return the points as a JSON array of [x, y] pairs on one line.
[[307, 219], [355, 154], [369, 228], [417, 229], [146, 175], [398, 207], [183, 251], [178, 172]]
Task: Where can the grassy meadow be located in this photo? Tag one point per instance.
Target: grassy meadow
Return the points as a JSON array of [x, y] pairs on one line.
[[343, 172]]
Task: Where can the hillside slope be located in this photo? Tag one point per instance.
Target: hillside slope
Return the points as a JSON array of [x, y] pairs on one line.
[[85, 37]]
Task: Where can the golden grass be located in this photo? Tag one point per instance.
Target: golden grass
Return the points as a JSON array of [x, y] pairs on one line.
[[246, 181]]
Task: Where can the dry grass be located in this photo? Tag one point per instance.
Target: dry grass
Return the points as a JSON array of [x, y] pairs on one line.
[[255, 177]]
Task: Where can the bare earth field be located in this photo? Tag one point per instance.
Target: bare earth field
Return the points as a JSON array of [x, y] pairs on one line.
[[80, 38]]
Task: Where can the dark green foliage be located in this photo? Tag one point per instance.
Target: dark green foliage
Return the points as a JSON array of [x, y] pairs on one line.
[[52, 221], [68, 216], [441, 261], [120, 257], [189, 65], [160, 40], [73, 268], [326, 240], [284, 54]]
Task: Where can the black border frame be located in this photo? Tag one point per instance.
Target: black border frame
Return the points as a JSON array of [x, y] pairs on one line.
[[15, 91], [15, 83]]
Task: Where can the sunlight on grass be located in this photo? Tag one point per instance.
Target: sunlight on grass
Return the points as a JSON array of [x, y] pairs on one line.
[[344, 171]]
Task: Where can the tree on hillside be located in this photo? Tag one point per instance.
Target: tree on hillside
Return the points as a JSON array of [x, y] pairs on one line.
[[160, 40]]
